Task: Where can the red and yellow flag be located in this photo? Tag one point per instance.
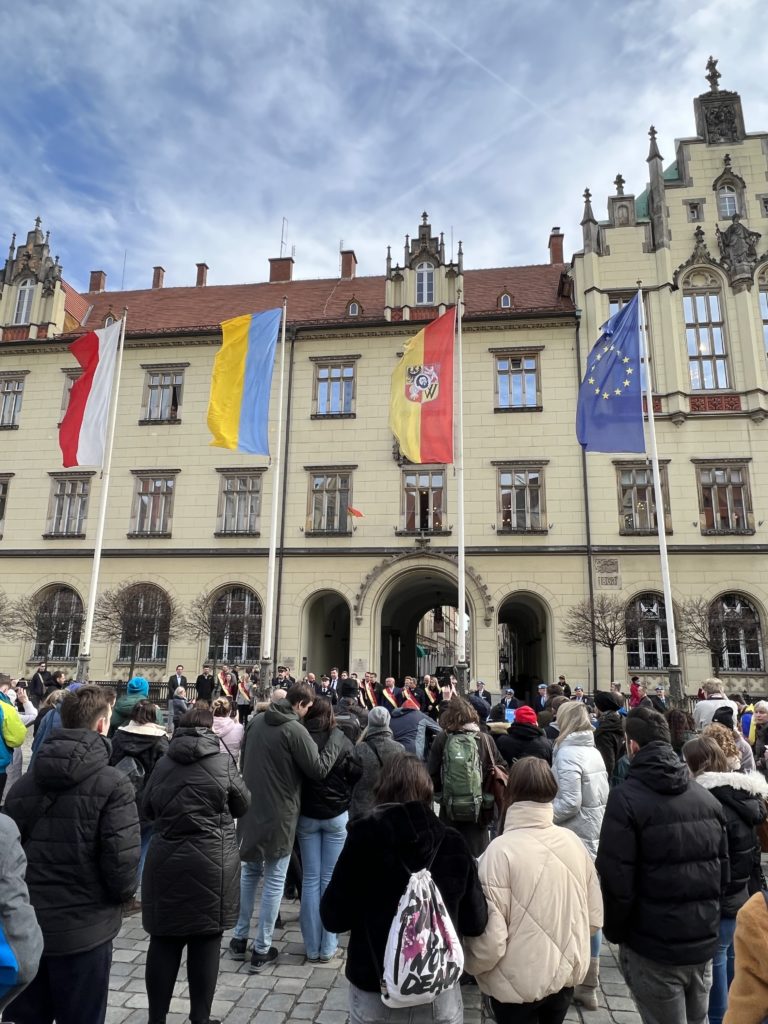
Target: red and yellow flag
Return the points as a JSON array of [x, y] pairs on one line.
[[421, 402]]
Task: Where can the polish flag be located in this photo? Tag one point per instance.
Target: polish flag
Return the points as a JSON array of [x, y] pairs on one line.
[[83, 431]]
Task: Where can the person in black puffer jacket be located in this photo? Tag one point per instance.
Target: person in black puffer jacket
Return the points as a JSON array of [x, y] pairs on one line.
[[524, 738], [609, 734], [663, 866], [742, 798], [401, 835], [80, 831], [194, 793], [322, 829]]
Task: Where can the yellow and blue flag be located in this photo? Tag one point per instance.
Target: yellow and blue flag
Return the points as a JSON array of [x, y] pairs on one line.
[[238, 409], [609, 416]]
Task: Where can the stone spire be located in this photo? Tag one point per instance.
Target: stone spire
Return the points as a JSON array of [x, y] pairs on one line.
[[719, 117], [657, 202], [653, 149], [589, 227]]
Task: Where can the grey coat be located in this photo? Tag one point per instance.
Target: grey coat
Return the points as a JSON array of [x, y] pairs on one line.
[[277, 754], [17, 918], [370, 754]]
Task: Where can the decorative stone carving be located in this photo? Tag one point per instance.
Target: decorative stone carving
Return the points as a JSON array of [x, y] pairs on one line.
[[738, 252], [721, 123], [719, 117], [715, 403]]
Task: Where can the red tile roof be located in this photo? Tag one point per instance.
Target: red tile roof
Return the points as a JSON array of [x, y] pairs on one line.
[[161, 310], [74, 303]]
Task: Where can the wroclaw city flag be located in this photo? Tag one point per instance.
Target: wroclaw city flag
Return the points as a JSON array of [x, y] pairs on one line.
[[421, 401], [238, 409]]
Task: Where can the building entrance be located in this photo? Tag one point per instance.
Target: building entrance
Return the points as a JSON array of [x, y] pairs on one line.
[[326, 629], [523, 641]]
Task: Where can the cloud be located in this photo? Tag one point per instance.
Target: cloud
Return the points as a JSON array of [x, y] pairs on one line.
[[179, 132]]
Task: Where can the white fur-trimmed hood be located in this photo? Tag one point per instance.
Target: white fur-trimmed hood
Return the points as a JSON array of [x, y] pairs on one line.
[[754, 783]]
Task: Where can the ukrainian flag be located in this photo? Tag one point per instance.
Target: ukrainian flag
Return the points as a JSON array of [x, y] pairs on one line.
[[238, 409]]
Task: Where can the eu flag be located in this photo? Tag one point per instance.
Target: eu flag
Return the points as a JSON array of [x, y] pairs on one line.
[[609, 417]]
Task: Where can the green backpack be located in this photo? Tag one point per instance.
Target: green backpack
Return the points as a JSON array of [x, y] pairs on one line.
[[462, 795]]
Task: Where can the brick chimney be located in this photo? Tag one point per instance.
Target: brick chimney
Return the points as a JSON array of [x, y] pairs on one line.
[[556, 245], [202, 275], [98, 282], [348, 264], [281, 268], [158, 273]]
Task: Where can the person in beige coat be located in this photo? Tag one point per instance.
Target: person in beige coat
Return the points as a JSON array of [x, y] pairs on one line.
[[544, 903]]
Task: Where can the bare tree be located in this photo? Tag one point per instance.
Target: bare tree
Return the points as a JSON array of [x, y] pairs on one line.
[[218, 618], [41, 619], [137, 615], [701, 626], [610, 624], [8, 617]]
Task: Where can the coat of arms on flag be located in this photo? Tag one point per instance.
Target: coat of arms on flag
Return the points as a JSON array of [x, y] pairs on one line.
[[422, 383]]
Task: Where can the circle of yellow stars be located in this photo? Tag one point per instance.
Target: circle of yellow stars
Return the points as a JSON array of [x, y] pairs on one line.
[[628, 370]]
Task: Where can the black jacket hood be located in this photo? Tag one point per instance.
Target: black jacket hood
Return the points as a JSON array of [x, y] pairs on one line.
[[524, 731], [610, 721], [191, 743], [657, 766], [411, 830], [68, 757]]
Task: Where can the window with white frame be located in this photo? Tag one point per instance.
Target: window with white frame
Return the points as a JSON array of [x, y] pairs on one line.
[[11, 395], [425, 284], [764, 308], [353, 309], [153, 504], [521, 506], [329, 501], [505, 301], [736, 634], [334, 393], [163, 388], [423, 500], [724, 498], [68, 506], [637, 508], [235, 627], [24, 299], [146, 630], [647, 639], [727, 202], [58, 621], [70, 376], [517, 380], [5, 483], [705, 333], [239, 502]]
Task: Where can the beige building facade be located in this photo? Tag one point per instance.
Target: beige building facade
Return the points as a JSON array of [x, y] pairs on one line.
[[192, 520]]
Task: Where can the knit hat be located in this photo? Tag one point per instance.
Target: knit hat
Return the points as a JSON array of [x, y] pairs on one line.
[[409, 702], [378, 720], [525, 716], [139, 685], [605, 701], [349, 688], [724, 716]]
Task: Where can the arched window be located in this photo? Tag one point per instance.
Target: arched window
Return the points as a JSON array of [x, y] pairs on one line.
[[24, 299], [58, 621], [727, 202], [425, 284], [353, 309], [705, 331], [763, 287], [108, 320], [736, 635], [146, 629], [505, 302], [647, 641], [235, 632]]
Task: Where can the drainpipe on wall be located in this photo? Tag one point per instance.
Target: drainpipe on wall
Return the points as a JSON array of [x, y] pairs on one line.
[[585, 489], [281, 544]]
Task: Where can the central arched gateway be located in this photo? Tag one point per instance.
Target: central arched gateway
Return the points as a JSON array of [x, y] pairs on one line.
[[524, 642]]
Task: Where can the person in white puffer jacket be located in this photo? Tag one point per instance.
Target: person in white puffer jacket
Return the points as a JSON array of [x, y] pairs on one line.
[[582, 793]]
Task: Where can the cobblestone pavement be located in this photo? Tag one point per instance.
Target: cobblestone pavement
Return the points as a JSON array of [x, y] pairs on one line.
[[293, 990]]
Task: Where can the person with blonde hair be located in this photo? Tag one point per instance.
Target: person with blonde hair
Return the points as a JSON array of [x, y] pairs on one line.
[[582, 793], [723, 737], [535, 949], [714, 698], [228, 729]]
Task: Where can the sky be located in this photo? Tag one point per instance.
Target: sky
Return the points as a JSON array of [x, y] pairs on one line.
[[169, 133]]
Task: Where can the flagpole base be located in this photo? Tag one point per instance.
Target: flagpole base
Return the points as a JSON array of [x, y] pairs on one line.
[[676, 692], [462, 675], [83, 667]]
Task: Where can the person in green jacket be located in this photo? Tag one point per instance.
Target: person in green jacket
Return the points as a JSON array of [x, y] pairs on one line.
[[138, 689], [277, 754]]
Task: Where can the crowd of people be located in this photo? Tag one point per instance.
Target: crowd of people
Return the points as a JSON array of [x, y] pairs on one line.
[[525, 829]]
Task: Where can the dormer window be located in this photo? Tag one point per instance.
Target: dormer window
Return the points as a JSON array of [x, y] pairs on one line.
[[353, 309], [425, 284], [24, 299], [505, 301], [727, 202], [108, 320]]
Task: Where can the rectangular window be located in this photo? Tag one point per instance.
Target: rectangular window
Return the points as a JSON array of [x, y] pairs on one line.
[[329, 501], [70, 376], [68, 507], [153, 504], [5, 482], [637, 510], [239, 503], [521, 499], [11, 394], [162, 395], [724, 500], [423, 500], [334, 389], [764, 316], [517, 381], [695, 208], [705, 337]]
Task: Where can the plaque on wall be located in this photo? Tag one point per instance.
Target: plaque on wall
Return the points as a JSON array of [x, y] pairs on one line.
[[607, 576]]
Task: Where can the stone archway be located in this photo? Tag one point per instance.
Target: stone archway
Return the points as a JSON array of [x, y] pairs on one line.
[[326, 625], [524, 639]]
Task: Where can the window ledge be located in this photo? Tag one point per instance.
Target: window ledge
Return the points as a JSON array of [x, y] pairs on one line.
[[51, 661], [333, 416], [643, 533], [155, 662], [425, 533], [502, 530], [9, 426], [63, 536], [327, 533], [519, 408], [237, 533], [147, 536], [160, 423], [728, 533]]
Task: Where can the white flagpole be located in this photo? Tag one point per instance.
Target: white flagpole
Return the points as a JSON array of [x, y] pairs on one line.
[[84, 655], [266, 642], [459, 464], [661, 526]]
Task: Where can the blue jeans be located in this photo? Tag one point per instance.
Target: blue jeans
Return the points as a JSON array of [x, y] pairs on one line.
[[321, 842], [718, 994], [251, 871], [146, 836], [595, 943]]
